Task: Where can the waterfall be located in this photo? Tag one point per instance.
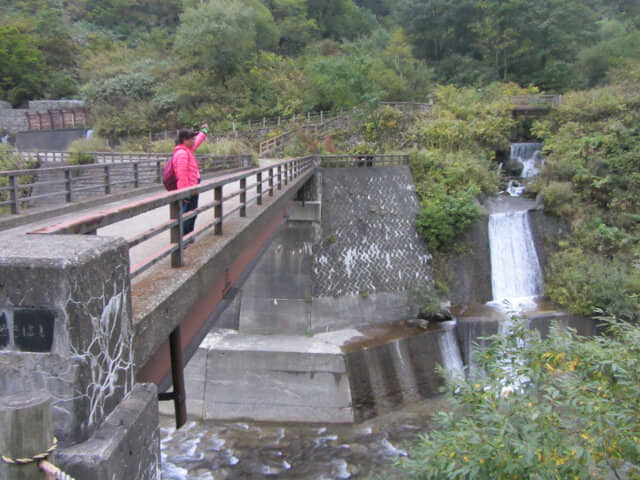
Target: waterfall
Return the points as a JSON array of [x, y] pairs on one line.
[[529, 155], [515, 269]]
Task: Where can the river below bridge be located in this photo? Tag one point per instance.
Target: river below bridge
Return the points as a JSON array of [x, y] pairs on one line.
[[213, 450]]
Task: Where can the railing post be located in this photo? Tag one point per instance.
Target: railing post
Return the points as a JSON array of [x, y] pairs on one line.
[[68, 185], [259, 188], [271, 182], [107, 178], [243, 197], [15, 205], [26, 429], [217, 210], [175, 213], [159, 169], [177, 375], [279, 177], [136, 175]]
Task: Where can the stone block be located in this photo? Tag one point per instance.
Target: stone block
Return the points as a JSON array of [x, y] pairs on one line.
[[125, 446], [66, 303]]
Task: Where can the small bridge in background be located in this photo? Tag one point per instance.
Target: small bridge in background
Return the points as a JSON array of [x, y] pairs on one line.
[[534, 104]]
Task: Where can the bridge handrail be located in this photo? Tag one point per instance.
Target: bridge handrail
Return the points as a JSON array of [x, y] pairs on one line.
[[409, 106], [277, 176], [320, 128], [363, 160], [51, 156], [536, 99], [99, 177]]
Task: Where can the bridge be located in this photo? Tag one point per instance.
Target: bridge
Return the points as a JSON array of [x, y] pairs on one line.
[[105, 317]]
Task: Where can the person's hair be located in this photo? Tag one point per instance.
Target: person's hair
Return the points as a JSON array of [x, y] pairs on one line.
[[185, 134]]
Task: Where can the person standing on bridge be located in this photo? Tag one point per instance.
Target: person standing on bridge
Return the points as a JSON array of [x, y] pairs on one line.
[[186, 168]]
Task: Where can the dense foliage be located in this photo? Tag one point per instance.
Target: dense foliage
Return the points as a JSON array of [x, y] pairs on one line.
[[592, 178], [452, 163], [555, 408], [162, 63]]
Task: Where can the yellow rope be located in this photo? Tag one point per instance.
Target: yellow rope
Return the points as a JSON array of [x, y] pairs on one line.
[[35, 458]]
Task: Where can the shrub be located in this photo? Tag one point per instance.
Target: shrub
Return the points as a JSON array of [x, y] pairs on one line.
[[445, 216], [562, 407], [81, 150], [582, 282]]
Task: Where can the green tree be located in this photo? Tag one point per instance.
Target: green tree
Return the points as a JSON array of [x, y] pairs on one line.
[[297, 30], [222, 37], [22, 66]]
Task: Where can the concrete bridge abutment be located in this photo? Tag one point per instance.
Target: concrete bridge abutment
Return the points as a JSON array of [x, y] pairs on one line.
[[66, 328]]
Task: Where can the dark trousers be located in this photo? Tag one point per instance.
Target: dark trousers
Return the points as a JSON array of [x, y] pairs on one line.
[[188, 205]]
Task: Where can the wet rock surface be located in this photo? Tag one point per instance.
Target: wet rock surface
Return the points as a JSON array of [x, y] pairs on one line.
[[246, 450]]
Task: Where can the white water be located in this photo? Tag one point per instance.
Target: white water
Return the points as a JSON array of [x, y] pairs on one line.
[[516, 275], [529, 154]]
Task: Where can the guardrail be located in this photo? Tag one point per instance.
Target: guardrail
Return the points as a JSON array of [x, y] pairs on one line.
[[68, 183], [364, 160], [259, 181], [50, 156], [536, 100], [276, 144], [409, 106]]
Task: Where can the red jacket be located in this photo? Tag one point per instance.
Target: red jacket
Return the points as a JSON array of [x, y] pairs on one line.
[[185, 164]]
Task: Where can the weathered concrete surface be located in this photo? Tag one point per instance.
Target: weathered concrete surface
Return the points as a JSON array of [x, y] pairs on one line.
[[395, 363], [25, 429], [125, 446], [369, 240], [49, 140], [72, 301], [340, 376], [469, 272], [547, 231]]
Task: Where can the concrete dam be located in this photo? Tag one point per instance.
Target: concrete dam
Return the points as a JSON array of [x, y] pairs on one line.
[[321, 328], [317, 331]]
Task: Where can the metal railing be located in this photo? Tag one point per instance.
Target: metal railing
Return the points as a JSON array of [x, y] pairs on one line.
[[69, 183], [409, 106], [536, 100], [276, 144], [104, 157], [252, 186], [363, 160]]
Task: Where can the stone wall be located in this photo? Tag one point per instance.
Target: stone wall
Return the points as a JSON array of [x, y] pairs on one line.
[[369, 240]]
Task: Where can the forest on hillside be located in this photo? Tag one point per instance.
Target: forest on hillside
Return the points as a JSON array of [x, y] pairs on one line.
[[145, 65]]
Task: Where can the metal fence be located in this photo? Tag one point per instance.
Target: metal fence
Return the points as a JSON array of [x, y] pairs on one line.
[[20, 189], [250, 186]]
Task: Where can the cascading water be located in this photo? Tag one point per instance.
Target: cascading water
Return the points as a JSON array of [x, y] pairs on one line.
[[516, 275], [529, 156]]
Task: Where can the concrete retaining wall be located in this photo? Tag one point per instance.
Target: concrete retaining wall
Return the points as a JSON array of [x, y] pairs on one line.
[[48, 140], [14, 120]]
